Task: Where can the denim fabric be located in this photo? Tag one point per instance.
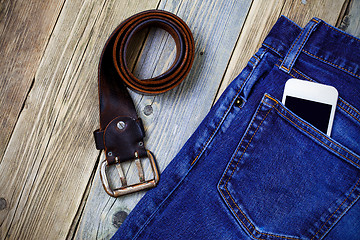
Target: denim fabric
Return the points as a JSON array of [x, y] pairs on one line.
[[255, 170]]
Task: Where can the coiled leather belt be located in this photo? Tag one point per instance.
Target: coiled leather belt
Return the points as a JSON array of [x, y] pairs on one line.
[[121, 131]]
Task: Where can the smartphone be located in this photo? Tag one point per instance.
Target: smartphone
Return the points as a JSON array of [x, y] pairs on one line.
[[313, 102]]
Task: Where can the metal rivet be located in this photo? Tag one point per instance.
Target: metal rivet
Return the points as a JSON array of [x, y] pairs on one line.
[[238, 102], [141, 144], [121, 125], [109, 154]]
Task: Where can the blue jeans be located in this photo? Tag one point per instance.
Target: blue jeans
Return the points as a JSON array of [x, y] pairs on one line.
[[255, 170]]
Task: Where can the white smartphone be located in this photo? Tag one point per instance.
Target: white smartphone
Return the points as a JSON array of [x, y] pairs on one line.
[[313, 102]]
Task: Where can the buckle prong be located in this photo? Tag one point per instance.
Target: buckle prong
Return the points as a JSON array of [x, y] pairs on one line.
[[139, 167], [121, 173], [126, 189]]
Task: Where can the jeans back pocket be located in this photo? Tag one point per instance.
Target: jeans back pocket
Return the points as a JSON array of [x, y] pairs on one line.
[[287, 180]]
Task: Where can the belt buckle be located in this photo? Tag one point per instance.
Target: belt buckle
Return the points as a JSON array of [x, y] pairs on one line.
[[127, 189]]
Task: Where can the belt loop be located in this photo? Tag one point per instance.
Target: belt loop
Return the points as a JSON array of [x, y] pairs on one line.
[[298, 45]]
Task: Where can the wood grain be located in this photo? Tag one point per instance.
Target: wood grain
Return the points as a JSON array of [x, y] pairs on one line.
[[176, 114], [49, 102], [23, 39], [350, 22], [53, 136], [263, 14]]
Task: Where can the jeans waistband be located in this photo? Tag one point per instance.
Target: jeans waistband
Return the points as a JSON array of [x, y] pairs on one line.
[[317, 39]]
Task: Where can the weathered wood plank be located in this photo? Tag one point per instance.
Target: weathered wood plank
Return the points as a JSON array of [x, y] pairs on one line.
[[263, 15], [176, 114], [25, 28], [51, 155], [350, 23]]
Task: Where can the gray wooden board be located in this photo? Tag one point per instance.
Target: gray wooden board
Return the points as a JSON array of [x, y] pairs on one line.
[[55, 192], [263, 15], [350, 23], [53, 136], [176, 114]]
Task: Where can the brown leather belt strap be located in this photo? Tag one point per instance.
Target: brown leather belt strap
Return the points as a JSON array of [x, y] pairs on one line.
[[121, 131]]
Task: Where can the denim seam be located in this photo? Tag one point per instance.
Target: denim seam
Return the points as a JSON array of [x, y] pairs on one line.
[[218, 125], [293, 45], [233, 171], [343, 33], [226, 112], [292, 22], [333, 64], [225, 185], [338, 209], [200, 153], [343, 101], [276, 51], [303, 42], [251, 62], [317, 132]]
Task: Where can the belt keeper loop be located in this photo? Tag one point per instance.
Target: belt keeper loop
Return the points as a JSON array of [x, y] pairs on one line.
[[295, 49]]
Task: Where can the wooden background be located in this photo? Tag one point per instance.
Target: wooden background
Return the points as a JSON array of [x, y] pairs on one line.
[[49, 52]]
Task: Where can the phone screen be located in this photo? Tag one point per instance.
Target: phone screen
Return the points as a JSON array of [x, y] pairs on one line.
[[316, 113]]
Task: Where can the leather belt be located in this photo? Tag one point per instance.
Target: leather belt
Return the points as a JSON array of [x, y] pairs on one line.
[[121, 131]]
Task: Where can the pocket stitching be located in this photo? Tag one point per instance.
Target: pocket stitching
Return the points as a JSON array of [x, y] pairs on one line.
[[222, 181], [231, 103], [339, 208], [234, 169], [317, 132], [343, 101]]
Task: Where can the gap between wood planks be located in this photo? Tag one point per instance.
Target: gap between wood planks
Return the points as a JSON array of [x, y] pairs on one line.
[[31, 83], [287, 9], [78, 216], [83, 203]]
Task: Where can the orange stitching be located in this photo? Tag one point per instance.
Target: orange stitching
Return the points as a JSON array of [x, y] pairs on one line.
[[338, 208], [268, 46], [282, 66], [315, 131], [303, 42], [239, 218], [222, 116], [346, 35], [331, 63], [234, 172], [272, 99], [354, 109], [247, 144], [347, 111], [319, 139], [225, 186], [251, 62], [217, 125], [343, 101], [293, 45], [237, 150], [292, 22]]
